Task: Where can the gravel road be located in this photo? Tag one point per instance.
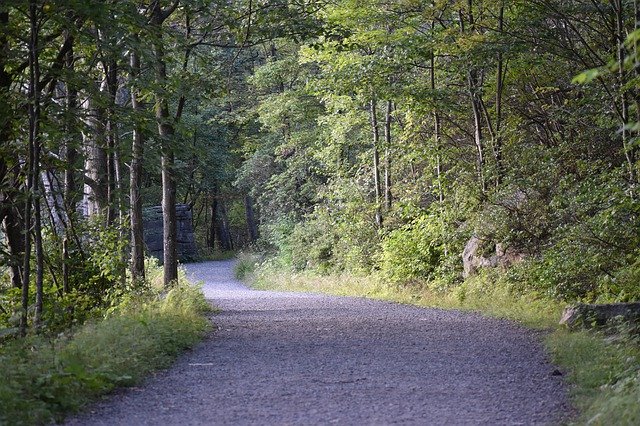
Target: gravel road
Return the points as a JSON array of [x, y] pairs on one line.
[[304, 359]]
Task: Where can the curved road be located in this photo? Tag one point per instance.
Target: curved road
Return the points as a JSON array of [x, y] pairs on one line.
[[299, 359]]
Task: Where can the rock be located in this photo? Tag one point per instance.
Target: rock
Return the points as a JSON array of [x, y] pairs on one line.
[[472, 261], [600, 315], [154, 229]]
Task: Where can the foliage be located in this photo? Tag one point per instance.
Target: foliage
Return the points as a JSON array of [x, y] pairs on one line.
[[43, 379], [95, 265], [413, 252]]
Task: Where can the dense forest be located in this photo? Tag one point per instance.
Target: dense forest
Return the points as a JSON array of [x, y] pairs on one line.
[[335, 135], [425, 144]]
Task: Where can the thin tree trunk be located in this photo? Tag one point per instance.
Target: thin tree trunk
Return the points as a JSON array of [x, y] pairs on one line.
[[224, 234], [135, 180], [66, 287], [71, 158], [214, 221], [96, 180], [499, 91], [111, 78], [436, 124], [71, 152], [251, 220], [166, 133], [618, 8], [477, 124], [376, 159], [387, 156], [476, 103], [438, 145], [35, 137]]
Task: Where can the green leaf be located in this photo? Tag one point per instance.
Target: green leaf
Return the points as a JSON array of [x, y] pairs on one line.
[[587, 76]]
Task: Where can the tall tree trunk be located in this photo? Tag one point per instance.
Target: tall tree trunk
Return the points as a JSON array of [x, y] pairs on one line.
[[436, 124], [11, 218], [224, 230], [34, 138], [214, 220], [499, 92], [166, 133], [618, 8], [70, 191], [477, 126], [95, 158], [251, 219], [476, 101], [387, 156], [71, 150], [135, 179], [373, 116], [111, 78], [438, 144]]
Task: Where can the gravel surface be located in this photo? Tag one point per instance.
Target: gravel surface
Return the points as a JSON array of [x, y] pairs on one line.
[[291, 358]]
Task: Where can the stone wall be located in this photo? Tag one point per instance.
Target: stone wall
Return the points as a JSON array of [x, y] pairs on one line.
[[153, 231]]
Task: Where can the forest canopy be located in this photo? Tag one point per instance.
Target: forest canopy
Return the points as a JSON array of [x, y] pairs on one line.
[[424, 140]]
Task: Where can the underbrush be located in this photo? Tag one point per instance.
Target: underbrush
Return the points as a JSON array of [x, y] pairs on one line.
[[603, 370], [43, 378]]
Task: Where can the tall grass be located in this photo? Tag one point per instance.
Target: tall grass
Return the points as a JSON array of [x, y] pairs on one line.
[[42, 379], [603, 371]]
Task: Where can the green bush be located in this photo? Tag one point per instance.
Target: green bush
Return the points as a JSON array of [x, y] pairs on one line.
[[595, 258], [96, 265], [42, 378], [413, 252]]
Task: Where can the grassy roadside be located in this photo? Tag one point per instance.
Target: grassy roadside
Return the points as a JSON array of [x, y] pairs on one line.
[[44, 378], [603, 371]]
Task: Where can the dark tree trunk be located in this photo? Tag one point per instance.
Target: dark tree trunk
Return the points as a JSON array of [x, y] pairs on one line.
[[70, 191], [252, 226], [618, 7], [373, 117], [10, 215], [135, 181], [473, 87], [111, 78], [387, 156], [499, 91], [34, 141], [166, 132], [224, 231], [214, 221]]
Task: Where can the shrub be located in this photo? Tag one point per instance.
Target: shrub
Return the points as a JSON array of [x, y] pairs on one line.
[[412, 252], [42, 379]]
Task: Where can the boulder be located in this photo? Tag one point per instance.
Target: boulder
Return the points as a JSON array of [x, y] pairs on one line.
[[584, 315], [472, 261], [154, 229]]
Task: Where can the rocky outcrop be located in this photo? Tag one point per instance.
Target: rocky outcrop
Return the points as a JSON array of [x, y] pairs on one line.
[[600, 315], [472, 261], [153, 233]]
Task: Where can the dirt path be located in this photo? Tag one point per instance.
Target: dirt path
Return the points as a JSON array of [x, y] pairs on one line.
[[285, 358]]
